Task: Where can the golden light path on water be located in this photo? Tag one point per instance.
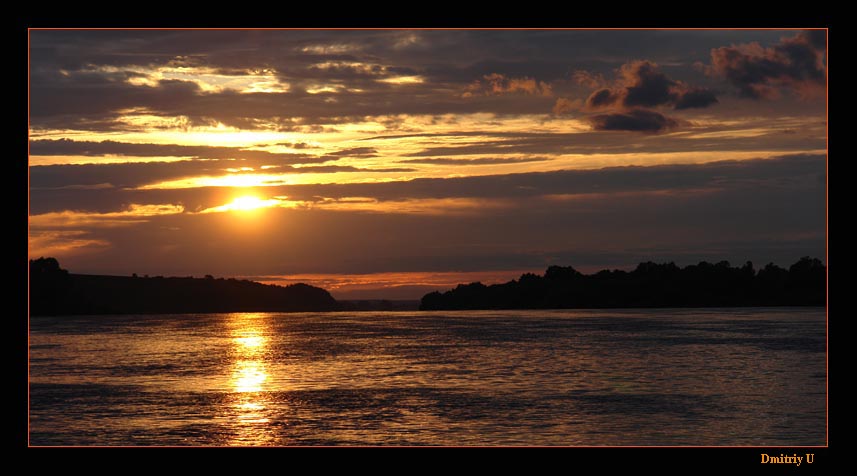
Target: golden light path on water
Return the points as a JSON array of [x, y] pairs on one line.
[[250, 379]]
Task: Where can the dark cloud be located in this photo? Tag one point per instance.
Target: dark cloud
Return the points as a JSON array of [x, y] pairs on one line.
[[69, 104], [295, 145], [511, 53], [77, 82], [643, 84], [640, 120], [586, 143], [795, 63], [243, 157], [136, 174], [695, 98], [101, 94], [602, 98], [79, 79], [816, 38], [109, 147], [646, 85], [117, 175], [781, 172], [356, 152]]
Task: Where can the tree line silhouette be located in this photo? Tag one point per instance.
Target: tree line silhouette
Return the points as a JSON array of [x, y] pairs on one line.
[[54, 291], [649, 285]]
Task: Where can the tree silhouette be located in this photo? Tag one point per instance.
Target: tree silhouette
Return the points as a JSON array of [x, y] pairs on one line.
[[648, 285], [49, 286], [53, 291]]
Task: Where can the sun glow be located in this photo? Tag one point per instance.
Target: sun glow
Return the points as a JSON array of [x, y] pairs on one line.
[[249, 202], [245, 203]]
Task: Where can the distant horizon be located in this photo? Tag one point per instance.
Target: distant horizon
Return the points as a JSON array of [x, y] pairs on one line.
[[361, 287], [400, 286]]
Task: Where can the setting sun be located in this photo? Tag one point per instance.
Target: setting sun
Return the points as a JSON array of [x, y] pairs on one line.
[[245, 203], [248, 203]]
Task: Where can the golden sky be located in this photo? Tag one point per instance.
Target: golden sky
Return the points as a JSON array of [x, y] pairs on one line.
[[388, 163]]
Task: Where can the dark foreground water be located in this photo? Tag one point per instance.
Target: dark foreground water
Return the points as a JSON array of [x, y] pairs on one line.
[[615, 377]]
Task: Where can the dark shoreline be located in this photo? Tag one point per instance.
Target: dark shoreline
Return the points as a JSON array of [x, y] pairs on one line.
[[54, 291], [650, 285]]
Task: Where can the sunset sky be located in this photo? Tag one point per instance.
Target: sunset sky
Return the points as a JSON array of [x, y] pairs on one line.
[[390, 163]]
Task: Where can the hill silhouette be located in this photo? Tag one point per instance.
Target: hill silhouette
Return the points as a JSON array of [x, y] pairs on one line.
[[54, 291], [649, 285]]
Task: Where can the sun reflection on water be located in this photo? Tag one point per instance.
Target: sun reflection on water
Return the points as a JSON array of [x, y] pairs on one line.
[[251, 343], [250, 378]]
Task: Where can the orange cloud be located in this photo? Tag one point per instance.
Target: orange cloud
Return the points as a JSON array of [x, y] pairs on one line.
[[495, 84], [565, 106]]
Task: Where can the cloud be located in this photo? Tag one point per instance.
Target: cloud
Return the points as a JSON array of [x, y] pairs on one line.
[[640, 120], [639, 87], [329, 169], [642, 84], [795, 63], [50, 147], [215, 158], [62, 243], [588, 79], [137, 174], [645, 85], [479, 161], [768, 138], [602, 98], [117, 175], [104, 105], [565, 105], [816, 38], [494, 84], [695, 98], [297, 145], [782, 172], [356, 152], [88, 80], [104, 95]]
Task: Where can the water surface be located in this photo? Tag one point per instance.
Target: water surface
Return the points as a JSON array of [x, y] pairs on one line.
[[576, 377]]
